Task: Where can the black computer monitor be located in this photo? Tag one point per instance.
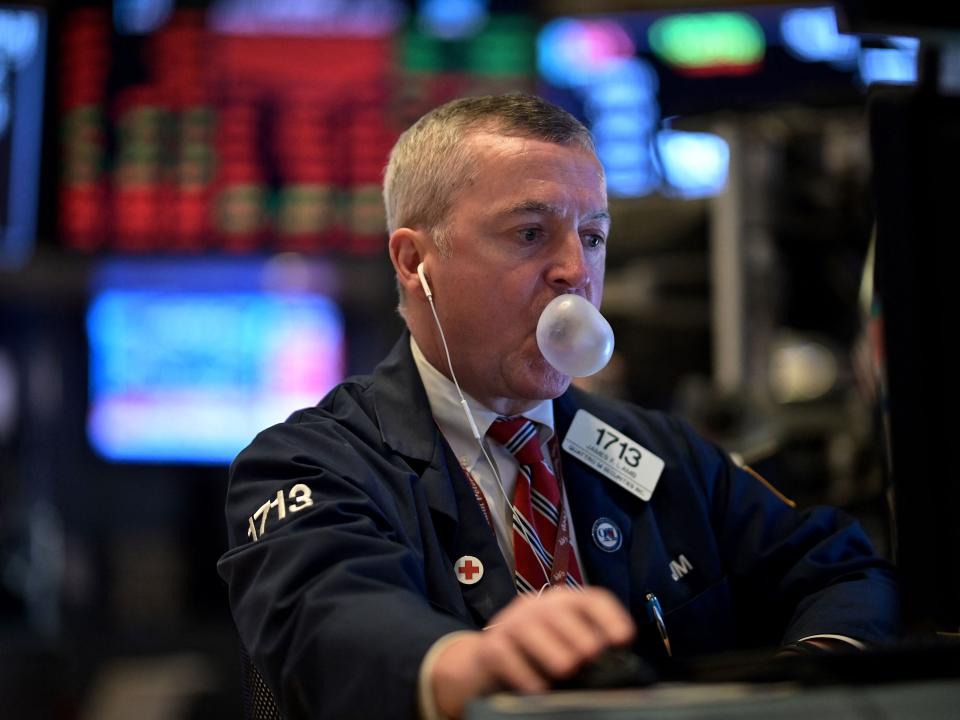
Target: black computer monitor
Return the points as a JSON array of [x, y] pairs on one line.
[[915, 142]]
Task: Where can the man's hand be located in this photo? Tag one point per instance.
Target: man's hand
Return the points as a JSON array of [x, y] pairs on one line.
[[532, 642]]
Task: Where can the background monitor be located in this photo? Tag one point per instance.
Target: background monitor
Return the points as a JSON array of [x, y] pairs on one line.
[[189, 361], [23, 41]]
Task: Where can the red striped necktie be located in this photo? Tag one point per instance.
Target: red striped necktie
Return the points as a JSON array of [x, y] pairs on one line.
[[541, 537]]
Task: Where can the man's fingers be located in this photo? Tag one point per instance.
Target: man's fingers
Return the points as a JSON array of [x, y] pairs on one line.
[[547, 643], [579, 633], [591, 622], [559, 631], [506, 660], [608, 616]]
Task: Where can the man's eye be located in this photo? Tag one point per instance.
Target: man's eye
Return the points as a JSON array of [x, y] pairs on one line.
[[593, 240], [530, 234]]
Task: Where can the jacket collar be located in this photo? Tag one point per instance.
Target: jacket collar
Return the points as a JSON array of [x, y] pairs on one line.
[[403, 411], [407, 427]]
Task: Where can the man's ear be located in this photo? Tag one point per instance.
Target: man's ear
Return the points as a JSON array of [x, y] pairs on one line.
[[408, 249]]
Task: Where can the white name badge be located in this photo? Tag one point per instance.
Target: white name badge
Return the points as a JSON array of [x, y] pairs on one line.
[[613, 455]]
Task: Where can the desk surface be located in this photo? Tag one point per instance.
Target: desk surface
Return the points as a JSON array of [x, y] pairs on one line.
[[914, 700]]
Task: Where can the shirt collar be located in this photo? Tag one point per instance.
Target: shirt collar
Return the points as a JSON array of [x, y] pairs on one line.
[[452, 421]]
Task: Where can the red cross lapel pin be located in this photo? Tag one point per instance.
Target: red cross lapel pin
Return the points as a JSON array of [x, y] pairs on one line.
[[469, 570]]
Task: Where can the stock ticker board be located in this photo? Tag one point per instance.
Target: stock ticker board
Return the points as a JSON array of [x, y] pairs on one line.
[[232, 129]]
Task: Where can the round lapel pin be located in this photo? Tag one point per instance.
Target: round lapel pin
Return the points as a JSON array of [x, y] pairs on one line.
[[469, 570], [607, 535]]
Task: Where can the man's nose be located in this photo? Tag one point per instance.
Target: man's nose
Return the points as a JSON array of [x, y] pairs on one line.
[[569, 269]]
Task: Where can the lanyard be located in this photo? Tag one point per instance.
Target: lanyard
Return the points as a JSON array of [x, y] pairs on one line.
[[481, 499], [561, 551]]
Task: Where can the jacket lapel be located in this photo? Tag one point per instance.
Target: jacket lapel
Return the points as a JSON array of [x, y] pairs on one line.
[[475, 537], [407, 426], [590, 503]]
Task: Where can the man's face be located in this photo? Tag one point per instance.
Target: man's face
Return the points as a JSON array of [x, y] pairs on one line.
[[532, 226]]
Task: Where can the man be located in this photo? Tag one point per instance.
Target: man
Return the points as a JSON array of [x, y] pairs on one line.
[[378, 546]]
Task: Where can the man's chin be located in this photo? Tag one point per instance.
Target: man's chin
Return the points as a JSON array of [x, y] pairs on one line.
[[542, 381]]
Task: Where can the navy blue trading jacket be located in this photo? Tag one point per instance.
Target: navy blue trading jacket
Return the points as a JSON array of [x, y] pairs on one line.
[[345, 523]]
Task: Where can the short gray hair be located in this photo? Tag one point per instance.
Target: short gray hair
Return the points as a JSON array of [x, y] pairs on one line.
[[431, 163]]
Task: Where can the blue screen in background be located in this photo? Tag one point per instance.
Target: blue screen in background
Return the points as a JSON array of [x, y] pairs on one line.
[[190, 376], [23, 38]]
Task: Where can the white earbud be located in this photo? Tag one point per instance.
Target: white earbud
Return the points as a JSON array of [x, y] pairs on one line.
[[423, 280]]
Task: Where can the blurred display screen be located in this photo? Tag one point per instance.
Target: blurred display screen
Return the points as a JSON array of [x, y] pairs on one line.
[[632, 77], [258, 125], [187, 363], [23, 39]]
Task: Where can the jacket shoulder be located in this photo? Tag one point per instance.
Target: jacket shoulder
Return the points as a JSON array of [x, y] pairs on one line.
[[345, 416], [348, 403]]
